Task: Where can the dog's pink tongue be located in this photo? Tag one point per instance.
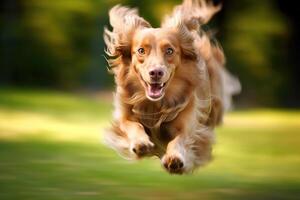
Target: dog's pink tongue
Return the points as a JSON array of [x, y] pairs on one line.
[[154, 90]]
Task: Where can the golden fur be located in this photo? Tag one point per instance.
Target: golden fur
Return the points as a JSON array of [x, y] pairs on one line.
[[175, 120]]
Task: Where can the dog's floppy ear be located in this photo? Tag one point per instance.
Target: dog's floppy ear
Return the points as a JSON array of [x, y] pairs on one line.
[[185, 36], [124, 22], [187, 19], [196, 12]]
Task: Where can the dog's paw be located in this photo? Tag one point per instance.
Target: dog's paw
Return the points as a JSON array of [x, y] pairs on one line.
[[142, 148], [173, 164]]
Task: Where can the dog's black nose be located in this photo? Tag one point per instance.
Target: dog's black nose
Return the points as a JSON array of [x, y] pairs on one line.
[[156, 73]]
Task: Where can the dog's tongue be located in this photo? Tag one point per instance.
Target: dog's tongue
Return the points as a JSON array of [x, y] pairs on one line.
[[155, 90]]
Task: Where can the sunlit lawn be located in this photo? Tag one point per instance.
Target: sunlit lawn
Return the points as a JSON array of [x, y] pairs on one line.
[[50, 148]]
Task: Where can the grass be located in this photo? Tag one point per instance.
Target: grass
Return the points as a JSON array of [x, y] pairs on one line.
[[50, 148]]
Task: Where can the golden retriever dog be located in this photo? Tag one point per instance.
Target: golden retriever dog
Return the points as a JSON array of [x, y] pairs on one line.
[[171, 86]]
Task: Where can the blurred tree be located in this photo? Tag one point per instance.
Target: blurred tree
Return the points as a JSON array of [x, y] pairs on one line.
[[254, 32], [289, 94], [50, 43]]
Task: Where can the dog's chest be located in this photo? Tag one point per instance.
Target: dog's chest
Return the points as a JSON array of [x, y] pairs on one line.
[[157, 119], [153, 115]]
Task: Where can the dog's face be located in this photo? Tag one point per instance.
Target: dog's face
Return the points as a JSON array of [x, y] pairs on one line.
[[155, 57]]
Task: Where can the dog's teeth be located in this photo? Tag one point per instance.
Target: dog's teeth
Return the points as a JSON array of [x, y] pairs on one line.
[[161, 85]]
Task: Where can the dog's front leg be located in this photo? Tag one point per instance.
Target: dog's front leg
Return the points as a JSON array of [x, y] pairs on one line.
[[191, 143], [188, 151], [176, 158], [140, 143]]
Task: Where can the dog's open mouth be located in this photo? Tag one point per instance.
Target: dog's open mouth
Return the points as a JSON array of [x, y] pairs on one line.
[[155, 90]]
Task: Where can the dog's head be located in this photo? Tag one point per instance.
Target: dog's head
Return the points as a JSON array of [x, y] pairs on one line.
[[153, 56], [156, 54]]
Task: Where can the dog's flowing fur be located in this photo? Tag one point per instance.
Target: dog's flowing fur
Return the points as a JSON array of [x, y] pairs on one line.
[[179, 126]]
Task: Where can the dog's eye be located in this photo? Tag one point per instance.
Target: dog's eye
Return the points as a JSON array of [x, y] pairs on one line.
[[169, 51], [141, 51]]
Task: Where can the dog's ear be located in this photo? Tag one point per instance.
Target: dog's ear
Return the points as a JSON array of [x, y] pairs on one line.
[[187, 18], [185, 36], [124, 22], [195, 13]]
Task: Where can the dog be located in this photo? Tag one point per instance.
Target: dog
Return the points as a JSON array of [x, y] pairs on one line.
[[171, 86]]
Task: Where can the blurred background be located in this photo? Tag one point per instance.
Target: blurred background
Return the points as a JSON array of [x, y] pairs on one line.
[[55, 101]]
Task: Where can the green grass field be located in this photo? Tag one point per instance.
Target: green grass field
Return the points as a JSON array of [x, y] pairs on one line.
[[50, 148]]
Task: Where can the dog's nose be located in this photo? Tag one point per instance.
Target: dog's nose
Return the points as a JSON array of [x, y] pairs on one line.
[[156, 73]]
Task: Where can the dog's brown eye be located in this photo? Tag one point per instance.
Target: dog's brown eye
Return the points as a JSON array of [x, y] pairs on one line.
[[141, 51], [169, 51]]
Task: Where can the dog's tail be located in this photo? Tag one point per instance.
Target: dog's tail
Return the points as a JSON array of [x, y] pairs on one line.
[[231, 86]]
